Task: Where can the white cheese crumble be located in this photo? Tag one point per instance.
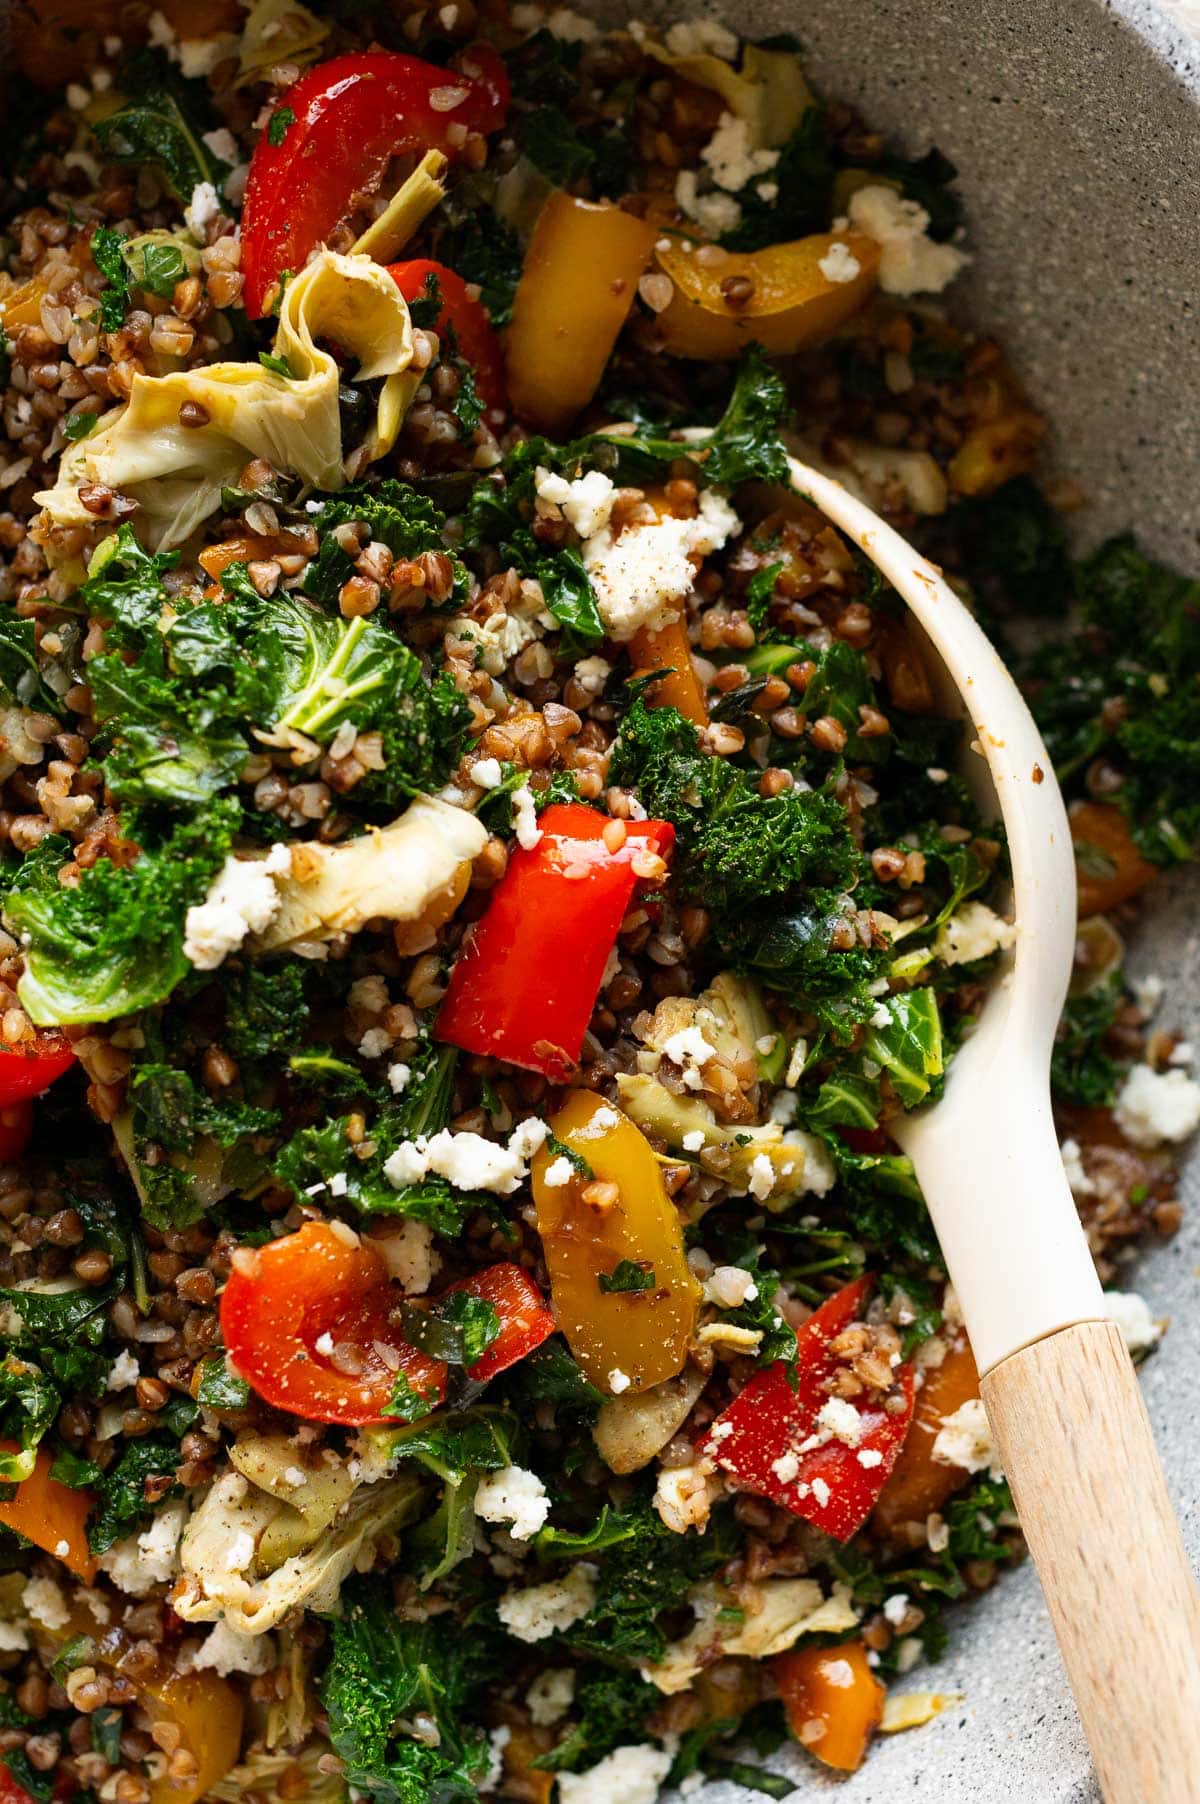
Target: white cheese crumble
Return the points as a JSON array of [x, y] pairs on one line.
[[550, 1696], [587, 502], [895, 1608], [1132, 1315], [842, 1421], [1148, 992], [399, 1078], [242, 899], [973, 931], [222, 143], [632, 1775], [592, 673], [539, 1611], [691, 1052], [1153, 1106], [618, 1381], [702, 37], [762, 1177], [839, 264], [910, 261], [571, 27], [140, 1562], [410, 1256], [487, 773], [868, 1457], [46, 1604], [693, 1141], [639, 575], [374, 1043], [202, 209], [467, 1160], [965, 1439], [786, 1467], [123, 1371], [732, 158], [558, 1173], [13, 1639], [1077, 1177], [715, 213], [224, 1650], [525, 818], [514, 1495], [821, 1491], [729, 1287]]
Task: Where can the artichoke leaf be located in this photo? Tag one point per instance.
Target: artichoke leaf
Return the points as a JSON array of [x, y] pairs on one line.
[[411, 204], [768, 90], [787, 1609], [176, 472]]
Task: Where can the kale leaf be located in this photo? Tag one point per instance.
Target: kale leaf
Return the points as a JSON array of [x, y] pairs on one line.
[[647, 1571], [1082, 1070], [803, 184], [610, 1707], [162, 125], [121, 1504], [107, 246], [20, 676]]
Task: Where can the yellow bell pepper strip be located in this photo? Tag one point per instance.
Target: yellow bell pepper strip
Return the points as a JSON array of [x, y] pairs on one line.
[[604, 1231], [832, 1700], [790, 303], [577, 285], [51, 1515]]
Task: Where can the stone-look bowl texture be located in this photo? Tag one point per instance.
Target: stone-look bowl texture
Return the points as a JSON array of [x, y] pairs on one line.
[[1075, 125]]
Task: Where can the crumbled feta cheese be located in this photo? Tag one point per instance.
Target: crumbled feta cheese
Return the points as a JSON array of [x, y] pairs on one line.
[[973, 931], [240, 1551], [1077, 1177], [937, 1532], [965, 1439], [820, 1491], [525, 818], [498, 638], [639, 575], [910, 261], [123, 1371], [729, 1287], [762, 1177], [324, 1344], [278, 860], [242, 899], [198, 57], [839, 264], [895, 1608], [715, 213], [634, 1775], [528, 1136], [498, 1740], [1153, 1106], [399, 1077], [514, 1495], [1132, 1315], [13, 1639], [592, 673], [587, 502], [45, 1602], [1148, 992], [224, 1650], [222, 143], [202, 209], [868, 1457], [702, 37], [77, 96], [841, 1420], [559, 1172], [693, 1142], [732, 158], [571, 27], [550, 1696], [487, 773], [140, 1562], [409, 1253], [618, 1381], [881, 1015], [691, 1052], [538, 1611], [467, 1160], [374, 1043], [908, 1652], [786, 1467]]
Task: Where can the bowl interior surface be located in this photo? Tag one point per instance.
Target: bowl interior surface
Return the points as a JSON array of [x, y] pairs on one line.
[[1075, 126]]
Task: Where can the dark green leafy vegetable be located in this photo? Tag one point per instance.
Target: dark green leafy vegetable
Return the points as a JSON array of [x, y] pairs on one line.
[[107, 246], [610, 1707], [277, 125], [20, 675], [1082, 1070], [220, 1387], [121, 1494], [649, 1570], [161, 126], [78, 425], [626, 1276], [909, 1047], [458, 1329], [803, 181]]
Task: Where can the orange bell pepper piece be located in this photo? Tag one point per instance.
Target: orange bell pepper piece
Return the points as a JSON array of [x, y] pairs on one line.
[[791, 302], [642, 1335], [578, 283], [833, 1701], [1109, 868], [209, 1712], [668, 650], [919, 1484], [51, 1515]]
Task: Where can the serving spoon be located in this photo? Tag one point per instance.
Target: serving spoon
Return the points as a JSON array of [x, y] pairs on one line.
[[1059, 1388]]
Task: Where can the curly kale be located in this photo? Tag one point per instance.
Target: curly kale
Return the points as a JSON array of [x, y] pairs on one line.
[[1082, 1070]]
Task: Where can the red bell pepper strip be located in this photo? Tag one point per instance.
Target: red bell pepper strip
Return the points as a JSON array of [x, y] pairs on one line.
[[16, 1130], [350, 115], [292, 1308], [525, 1321], [764, 1440], [464, 316], [10, 1791], [31, 1066], [526, 983]]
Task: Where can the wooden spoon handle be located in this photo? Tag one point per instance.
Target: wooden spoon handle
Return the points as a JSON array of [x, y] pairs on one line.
[[1073, 1434]]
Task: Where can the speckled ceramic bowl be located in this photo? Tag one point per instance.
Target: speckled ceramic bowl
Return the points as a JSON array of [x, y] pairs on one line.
[[1075, 125]]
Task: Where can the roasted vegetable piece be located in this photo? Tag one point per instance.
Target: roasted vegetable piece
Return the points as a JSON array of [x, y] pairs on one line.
[[668, 650], [833, 1701], [208, 1711], [760, 1439], [51, 1515], [31, 1066], [920, 1484], [526, 983], [625, 1340], [292, 1308], [10, 1791], [350, 115], [462, 323], [578, 282], [525, 1321], [1108, 866], [791, 302]]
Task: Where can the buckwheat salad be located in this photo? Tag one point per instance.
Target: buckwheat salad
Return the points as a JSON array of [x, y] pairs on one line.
[[482, 868]]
